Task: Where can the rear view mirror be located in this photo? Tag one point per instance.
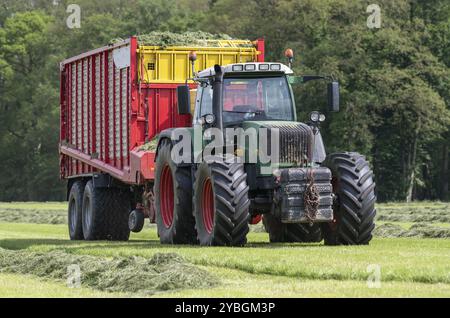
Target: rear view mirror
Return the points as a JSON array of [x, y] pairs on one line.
[[184, 100], [333, 96]]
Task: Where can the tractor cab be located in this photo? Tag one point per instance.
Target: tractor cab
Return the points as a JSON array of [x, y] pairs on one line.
[[250, 92]]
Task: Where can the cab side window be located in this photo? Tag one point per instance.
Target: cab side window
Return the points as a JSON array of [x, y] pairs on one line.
[[198, 99], [206, 101]]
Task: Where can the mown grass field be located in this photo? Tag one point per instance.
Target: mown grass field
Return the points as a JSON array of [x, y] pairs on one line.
[[411, 248]]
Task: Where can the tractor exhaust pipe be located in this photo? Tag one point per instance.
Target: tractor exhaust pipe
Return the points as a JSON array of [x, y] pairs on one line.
[[217, 87]]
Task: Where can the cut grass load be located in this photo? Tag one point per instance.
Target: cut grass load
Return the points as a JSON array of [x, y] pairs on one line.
[[166, 38]]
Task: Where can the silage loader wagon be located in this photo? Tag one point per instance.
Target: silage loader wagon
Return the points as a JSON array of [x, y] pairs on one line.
[[113, 100]]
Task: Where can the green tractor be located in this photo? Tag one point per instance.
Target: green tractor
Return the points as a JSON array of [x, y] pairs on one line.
[[305, 195]]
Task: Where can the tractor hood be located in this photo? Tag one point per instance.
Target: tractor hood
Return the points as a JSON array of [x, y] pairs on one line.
[[294, 140]]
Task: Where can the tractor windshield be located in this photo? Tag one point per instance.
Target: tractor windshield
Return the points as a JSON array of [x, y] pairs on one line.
[[259, 98]]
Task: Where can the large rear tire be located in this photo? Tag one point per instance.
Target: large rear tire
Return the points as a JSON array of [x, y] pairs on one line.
[[221, 204], [354, 206], [290, 233], [75, 211], [173, 199], [105, 213]]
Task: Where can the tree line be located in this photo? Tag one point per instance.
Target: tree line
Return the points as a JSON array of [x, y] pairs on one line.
[[395, 80]]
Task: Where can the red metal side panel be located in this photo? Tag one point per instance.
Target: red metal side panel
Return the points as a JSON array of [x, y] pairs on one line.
[[95, 98], [161, 106]]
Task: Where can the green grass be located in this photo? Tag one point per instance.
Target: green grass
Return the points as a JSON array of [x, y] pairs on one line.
[[42, 206], [236, 283], [33, 212], [405, 215], [26, 286], [407, 225], [410, 267], [138, 275], [429, 212]]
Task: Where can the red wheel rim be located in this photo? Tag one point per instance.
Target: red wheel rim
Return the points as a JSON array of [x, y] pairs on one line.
[[166, 190], [256, 219], [208, 206]]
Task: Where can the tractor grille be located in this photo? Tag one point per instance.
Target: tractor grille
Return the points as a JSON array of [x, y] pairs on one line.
[[295, 142]]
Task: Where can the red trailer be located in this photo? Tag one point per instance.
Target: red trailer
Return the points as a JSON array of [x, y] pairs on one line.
[[115, 99]]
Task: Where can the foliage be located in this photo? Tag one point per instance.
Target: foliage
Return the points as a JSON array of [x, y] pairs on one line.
[[395, 81]]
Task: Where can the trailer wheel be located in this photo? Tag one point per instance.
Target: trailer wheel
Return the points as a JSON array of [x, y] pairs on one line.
[[118, 215], [290, 233], [173, 199], [354, 206], [136, 221], [221, 204], [105, 214], [75, 211]]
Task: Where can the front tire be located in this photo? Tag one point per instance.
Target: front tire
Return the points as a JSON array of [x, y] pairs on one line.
[[354, 207], [221, 204], [173, 199]]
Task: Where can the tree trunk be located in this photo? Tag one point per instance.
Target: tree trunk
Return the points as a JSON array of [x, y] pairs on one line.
[[445, 174], [412, 164]]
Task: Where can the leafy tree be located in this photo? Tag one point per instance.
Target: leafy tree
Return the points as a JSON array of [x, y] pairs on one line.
[[28, 110], [395, 81]]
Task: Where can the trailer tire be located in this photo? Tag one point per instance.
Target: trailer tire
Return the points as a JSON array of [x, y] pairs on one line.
[[174, 219], [290, 233], [136, 221], [118, 215], [221, 204], [354, 206], [75, 211], [105, 213]]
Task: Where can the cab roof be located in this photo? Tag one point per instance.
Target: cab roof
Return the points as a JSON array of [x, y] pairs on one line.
[[245, 68]]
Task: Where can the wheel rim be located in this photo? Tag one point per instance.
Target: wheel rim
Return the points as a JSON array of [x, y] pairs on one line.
[[132, 220], [208, 206], [72, 214], [166, 190]]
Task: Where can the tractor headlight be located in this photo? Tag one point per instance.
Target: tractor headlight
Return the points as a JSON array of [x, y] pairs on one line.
[[314, 117], [250, 67], [322, 118], [210, 119], [275, 67], [238, 68]]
